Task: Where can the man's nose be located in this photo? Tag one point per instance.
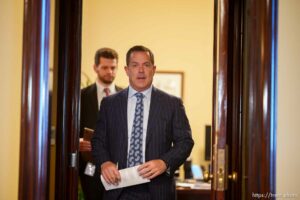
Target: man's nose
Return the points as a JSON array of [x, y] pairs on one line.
[[109, 70], [141, 68]]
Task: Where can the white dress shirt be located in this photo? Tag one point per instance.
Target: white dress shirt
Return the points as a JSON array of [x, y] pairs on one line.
[[100, 91], [131, 111]]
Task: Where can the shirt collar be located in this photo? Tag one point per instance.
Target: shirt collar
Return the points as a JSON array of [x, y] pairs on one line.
[[100, 87], [146, 93]]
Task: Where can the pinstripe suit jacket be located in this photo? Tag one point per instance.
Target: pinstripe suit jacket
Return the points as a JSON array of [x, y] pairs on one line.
[[168, 138]]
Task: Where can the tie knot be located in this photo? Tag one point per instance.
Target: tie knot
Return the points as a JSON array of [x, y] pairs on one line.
[[139, 95], [106, 91]]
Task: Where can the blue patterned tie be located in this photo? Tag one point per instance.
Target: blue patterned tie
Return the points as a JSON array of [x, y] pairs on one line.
[[135, 156]]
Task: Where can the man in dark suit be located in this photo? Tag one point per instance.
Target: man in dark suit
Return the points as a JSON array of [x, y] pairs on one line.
[[153, 131], [105, 67]]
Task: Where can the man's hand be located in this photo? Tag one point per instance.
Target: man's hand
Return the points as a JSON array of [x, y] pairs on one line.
[[84, 145], [110, 173], [152, 168]]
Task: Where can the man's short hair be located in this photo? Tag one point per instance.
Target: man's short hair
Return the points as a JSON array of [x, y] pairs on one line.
[[105, 53], [139, 48]]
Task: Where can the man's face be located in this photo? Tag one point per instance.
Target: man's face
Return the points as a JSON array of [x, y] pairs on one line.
[[140, 70], [106, 70]]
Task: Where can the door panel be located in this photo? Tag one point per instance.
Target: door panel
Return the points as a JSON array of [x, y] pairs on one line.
[[34, 136], [220, 99], [259, 98], [245, 57], [68, 95]]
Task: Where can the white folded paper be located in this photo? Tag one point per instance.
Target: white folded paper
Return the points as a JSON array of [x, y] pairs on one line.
[[129, 177]]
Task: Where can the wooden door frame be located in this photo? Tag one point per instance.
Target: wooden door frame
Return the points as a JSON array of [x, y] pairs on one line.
[[244, 97], [34, 131], [259, 98], [68, 93], [35, 135], [253, 121]]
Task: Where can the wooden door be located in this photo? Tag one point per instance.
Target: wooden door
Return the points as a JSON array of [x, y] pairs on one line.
[[34, 135], [68, 95], [244, 107]]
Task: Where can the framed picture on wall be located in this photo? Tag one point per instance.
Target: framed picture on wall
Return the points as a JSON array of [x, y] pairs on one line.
[[170, 82]]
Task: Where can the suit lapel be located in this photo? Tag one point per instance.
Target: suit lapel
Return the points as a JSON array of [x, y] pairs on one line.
[[123, 125], [123, 108], [153, 113]]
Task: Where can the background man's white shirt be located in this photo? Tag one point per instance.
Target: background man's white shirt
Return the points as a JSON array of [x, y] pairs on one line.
[[100, 91]]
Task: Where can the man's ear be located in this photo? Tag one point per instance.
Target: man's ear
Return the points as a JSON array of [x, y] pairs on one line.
[[154, 69], [95, 67], [126, 69]]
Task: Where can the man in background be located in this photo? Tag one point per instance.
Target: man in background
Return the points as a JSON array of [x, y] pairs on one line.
[[153, 133], [105, 66]]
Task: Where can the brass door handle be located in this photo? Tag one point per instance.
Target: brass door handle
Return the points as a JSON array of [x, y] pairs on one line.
[[207, 176], [233, 176]]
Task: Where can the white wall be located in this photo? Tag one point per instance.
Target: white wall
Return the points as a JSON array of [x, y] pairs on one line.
[[11, 23], [288, 131]]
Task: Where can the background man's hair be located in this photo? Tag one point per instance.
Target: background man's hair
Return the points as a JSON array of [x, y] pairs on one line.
[[139, 48], [105, 53]]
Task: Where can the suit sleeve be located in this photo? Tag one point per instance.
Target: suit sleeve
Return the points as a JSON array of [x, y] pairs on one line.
[[99, 141], [182, 139]]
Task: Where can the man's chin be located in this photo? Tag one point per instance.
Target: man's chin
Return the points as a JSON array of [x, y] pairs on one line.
[[107, 81]]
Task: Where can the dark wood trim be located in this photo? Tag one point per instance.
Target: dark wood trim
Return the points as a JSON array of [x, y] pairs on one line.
[[220, 96], [68, 94], [34, 144], [235, 80], [244, 112], [192, 194], [259, 97]]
